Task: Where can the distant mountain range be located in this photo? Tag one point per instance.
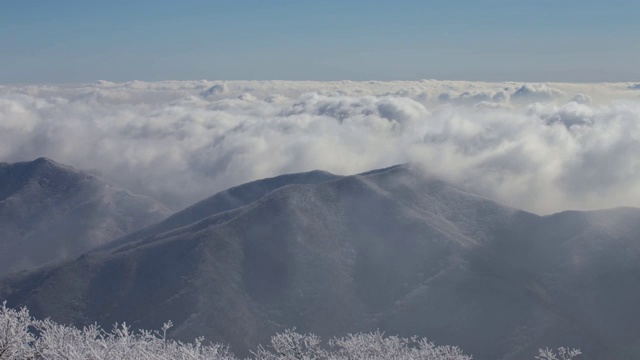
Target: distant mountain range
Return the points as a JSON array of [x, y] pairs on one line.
[[391, 249], [50, 211]]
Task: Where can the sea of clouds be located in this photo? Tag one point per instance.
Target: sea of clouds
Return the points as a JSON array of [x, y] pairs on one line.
[[539, 147]]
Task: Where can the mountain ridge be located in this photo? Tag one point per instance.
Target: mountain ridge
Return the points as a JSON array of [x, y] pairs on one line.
[[391, 249], [49, 211]]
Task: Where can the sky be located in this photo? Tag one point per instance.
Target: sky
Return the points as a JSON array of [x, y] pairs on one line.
[[79, 41]]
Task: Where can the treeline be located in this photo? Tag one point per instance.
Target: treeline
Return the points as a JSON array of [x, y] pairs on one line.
[[23, 337]]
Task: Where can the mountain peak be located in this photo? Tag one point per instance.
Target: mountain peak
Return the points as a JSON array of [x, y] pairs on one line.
[[55, 211], [44, 162], [24, 170], [394, 168]]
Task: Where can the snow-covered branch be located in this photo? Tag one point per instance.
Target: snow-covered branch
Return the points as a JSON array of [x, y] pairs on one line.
[[23, 337]]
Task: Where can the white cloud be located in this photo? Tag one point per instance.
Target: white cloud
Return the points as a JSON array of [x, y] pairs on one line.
[[216, 89], [535, 92], [581, 99], [536, 147]]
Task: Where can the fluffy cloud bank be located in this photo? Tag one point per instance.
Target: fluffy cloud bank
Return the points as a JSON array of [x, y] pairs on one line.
[[540, 147]]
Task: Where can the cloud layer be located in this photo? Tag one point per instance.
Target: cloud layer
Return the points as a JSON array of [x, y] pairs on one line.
[[540, 147]]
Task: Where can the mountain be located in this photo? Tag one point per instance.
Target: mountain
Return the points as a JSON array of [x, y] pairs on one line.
[[50, 211], [227, 200], [391, 249]]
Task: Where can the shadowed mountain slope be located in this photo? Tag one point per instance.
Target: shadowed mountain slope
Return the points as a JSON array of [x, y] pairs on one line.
[[49, 211], [389, 249]]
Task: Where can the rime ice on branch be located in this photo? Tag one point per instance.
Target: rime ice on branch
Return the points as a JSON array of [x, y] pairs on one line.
[[23, 337]]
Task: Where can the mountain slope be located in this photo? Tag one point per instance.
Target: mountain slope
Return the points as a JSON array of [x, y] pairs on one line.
[[389, 249], [49, 211], [226, 200]]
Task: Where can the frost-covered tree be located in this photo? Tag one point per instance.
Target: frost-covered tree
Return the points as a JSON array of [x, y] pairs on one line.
[[375, 346], [562, 354], [16, 337], [23, 337], [291, 345], [63, 342]]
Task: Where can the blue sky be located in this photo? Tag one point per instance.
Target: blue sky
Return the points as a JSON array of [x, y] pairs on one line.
[[67, 41]]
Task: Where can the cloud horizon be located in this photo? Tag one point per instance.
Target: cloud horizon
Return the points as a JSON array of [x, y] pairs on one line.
[[543, 147]]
